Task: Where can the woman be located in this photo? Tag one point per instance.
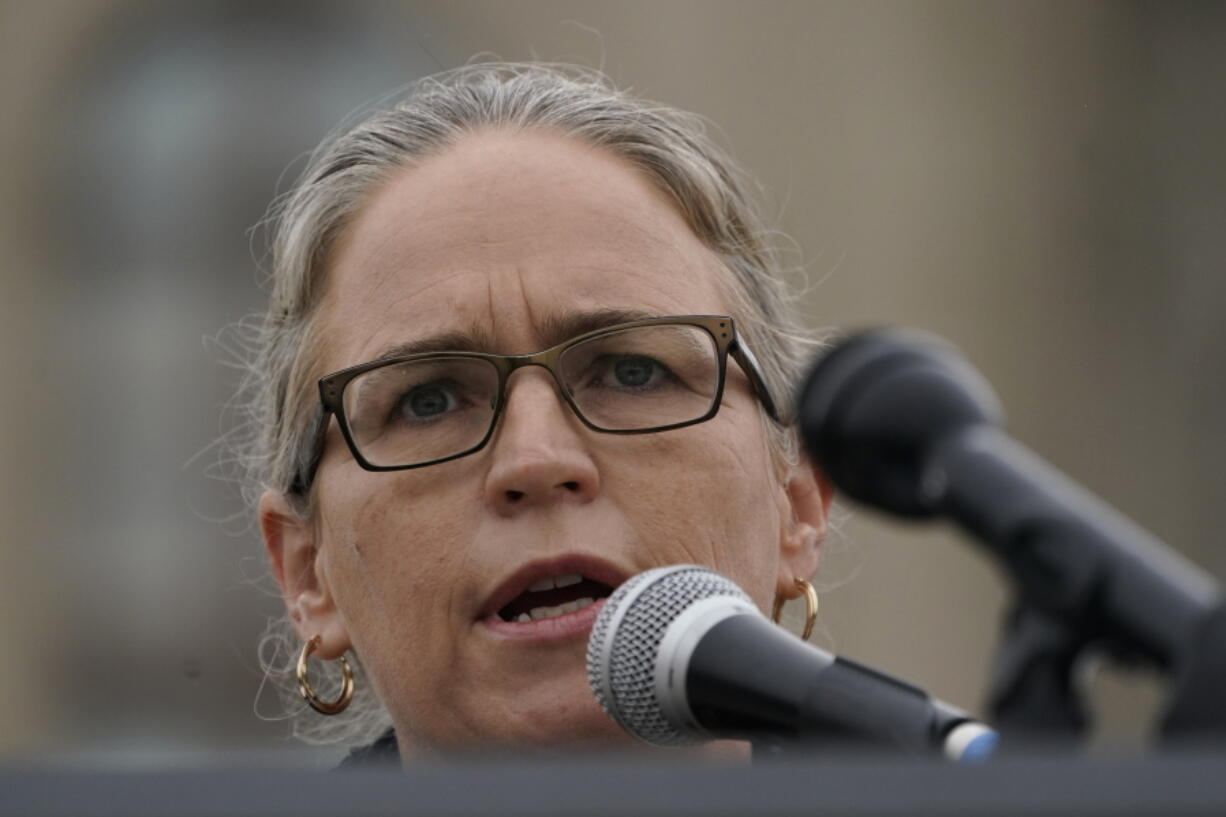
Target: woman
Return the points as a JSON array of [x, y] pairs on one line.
[[453, 517]]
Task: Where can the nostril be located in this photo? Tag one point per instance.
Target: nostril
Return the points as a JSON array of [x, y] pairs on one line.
[[515, 496], [571, 486]]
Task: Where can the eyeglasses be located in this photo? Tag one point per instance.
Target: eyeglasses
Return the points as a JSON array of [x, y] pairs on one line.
[[639, 377]]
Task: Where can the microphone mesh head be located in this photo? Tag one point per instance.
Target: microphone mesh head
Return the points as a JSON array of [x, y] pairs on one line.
[[625, 642]]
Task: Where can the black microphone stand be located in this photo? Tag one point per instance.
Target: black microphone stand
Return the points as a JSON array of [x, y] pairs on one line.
[[1033, 693], [1197, 710]]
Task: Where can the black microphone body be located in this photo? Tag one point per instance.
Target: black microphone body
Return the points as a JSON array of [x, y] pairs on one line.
[[749, 679], [900, 421], [1069, 553]]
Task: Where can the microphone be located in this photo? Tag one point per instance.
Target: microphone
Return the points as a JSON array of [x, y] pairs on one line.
[[899, 420], [680, 655]]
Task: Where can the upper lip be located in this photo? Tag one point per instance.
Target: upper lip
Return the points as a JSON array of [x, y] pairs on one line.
[[590, 567]]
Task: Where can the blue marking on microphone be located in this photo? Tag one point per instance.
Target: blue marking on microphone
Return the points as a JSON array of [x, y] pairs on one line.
[[980, 748]]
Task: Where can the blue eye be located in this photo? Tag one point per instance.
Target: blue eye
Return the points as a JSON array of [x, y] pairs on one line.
[[427, 401], [635, 371]]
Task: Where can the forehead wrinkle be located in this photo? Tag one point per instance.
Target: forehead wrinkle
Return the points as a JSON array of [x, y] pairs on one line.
[[392, 274], [514, 276], [401, 246], [517, 276]]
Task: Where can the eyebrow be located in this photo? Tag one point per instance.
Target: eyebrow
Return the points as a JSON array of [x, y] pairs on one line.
[[555, 329], [475, 339]]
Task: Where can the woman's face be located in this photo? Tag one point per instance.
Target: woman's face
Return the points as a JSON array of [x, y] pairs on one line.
[[503, 239]]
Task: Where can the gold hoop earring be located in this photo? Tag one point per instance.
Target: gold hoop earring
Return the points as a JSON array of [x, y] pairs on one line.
[[810, 607], [304, 686]]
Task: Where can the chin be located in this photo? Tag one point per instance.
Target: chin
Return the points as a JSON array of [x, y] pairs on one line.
[[559, 716]]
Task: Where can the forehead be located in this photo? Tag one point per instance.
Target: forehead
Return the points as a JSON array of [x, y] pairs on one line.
[[510, 232]]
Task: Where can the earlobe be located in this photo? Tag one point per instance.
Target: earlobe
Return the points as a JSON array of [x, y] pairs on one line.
[[809, 494], [291, 543]]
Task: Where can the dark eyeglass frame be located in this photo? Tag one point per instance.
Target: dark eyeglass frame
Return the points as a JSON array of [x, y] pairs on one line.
[[721, 328]]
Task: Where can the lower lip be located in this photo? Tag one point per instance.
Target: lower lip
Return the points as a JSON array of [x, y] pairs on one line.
[[560, 627]]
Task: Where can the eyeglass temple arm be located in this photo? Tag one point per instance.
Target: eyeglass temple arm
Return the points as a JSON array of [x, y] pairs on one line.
[[304, 472], [749, 364]]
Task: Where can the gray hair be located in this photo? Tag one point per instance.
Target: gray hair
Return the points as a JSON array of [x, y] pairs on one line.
[[670, 147]]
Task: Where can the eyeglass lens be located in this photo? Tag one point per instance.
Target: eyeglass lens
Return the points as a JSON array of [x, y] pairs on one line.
[[634, 379]]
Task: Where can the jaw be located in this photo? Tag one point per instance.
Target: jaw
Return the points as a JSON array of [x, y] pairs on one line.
[[539, 700]]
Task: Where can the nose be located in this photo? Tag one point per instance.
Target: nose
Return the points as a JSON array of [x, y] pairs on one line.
[[539, 454]]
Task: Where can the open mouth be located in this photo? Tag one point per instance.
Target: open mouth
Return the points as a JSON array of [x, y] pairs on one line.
[[554, 596]]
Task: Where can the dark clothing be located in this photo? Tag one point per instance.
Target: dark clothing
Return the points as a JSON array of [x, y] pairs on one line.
[[383, 752]]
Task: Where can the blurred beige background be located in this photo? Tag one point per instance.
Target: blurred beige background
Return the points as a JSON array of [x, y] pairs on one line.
[[1043, 183]]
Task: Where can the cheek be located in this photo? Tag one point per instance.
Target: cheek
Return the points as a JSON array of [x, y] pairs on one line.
[[708, 495], [393, 565]]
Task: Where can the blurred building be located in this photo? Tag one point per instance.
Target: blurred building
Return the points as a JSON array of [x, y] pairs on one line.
[[1043, 183]]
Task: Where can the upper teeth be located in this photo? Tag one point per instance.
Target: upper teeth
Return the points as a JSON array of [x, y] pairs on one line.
[[550, 582], [537, 613]]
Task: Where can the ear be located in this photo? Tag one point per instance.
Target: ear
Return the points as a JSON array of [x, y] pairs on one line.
[[292, 553], [808, 495]]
